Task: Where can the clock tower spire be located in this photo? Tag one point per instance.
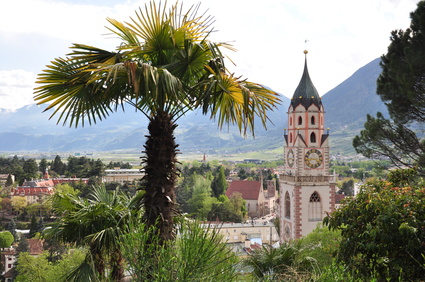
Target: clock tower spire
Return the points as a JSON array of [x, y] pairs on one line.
[[307, 189]]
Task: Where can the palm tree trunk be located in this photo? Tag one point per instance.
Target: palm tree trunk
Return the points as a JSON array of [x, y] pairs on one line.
[[160, 177], [117, 268]]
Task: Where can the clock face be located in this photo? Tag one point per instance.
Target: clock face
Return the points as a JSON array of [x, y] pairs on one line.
[[313, 158], [290, 158]]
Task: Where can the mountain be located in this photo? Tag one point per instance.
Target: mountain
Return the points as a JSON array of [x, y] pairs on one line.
[[348, 104], [29, 129]]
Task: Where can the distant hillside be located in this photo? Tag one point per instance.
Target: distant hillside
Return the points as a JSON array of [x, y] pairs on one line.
[[348, 104], [28, 129]]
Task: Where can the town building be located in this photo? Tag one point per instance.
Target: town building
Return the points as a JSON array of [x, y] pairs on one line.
[[242, 237], [122, 175], [307, 190], [37, 191], [258, 201]]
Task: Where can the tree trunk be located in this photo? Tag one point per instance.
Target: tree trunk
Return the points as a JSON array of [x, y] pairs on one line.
[[159, 163]]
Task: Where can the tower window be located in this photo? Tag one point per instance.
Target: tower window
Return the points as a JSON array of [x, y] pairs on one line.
[[313, 120], [313, 137], [290, 138], [287, 205], [300, 120], [290, 121], [315, 207]]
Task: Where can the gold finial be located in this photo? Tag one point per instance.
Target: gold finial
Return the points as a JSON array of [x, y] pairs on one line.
[[305, 52]]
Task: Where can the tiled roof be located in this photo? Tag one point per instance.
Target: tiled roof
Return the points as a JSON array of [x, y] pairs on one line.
[[339, 197], [35, 246], [32, 191], [250, 190]]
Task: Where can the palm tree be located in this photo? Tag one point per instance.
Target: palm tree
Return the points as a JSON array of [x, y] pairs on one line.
[[95, 223], [282, 263], [164, 66]]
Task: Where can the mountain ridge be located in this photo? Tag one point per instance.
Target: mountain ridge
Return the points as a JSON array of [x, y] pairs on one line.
[[346, 106]]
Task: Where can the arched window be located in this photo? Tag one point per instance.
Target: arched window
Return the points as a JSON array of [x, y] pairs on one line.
[[300, 120], [313, 137], [315, 207], [313, 120], [290, 138], [287, 205], [290, 121]]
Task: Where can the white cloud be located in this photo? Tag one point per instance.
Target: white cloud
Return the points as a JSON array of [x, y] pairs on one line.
[[343, 35], [16, 88]]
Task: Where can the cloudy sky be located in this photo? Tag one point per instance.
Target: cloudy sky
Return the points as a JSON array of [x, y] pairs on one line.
[[342, 36]]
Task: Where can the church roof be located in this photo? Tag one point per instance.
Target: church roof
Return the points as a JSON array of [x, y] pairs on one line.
[[250, 190], [306, 94]]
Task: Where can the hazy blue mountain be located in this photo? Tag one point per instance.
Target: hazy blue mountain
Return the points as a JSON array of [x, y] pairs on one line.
[[29, 129]]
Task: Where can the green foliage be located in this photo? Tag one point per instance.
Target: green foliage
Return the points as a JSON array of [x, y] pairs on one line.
[[346, 187], [58, 166], [11, 227], [198, 254], [228, 210], [40, 269], [322, 244], [6, 239], [284, 263], [23, 245], [33, 226], [219, 184], [383, 230], [94, 224], [120, 164], [401, 87]]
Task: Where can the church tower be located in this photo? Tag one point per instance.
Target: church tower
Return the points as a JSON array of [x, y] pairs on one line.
[[307, 190]]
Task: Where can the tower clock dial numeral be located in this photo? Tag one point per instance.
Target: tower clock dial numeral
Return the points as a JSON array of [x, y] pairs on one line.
[[313, 158], [290, 158]]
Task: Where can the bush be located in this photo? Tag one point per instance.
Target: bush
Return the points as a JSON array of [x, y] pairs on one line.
[[197, 254], [383, 229]]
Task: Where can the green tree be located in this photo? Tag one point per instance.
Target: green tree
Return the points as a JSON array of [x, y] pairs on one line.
[[219, 184], [201, 201], [58, 166], [33, 226], [18, 203], [95, 224], [382, 229], [39, 268], [198, 254], [30, 168], [9, 181], [165, 66], [321, 244], [23, 245], [42, 166], [346, 187], [284, 263], [401, 87], [11, 227], [6, 239]]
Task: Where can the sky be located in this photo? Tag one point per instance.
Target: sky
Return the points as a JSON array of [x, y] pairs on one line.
[[341, 36]]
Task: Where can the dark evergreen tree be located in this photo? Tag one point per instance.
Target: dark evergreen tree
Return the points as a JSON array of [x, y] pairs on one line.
[[40, 226], [33, 226], [23, 245], [401, 85], [42, 165], [11, 227], [58, 166], [219, 184], [30, 168], [9, 181]]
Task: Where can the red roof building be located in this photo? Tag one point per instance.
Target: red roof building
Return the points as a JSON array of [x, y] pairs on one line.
[[253, 194]]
